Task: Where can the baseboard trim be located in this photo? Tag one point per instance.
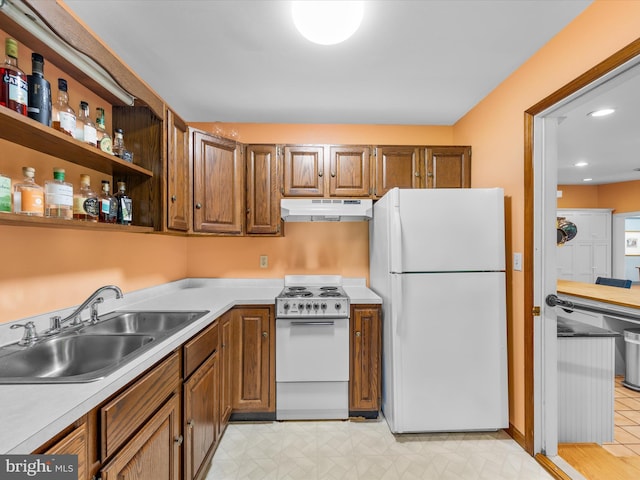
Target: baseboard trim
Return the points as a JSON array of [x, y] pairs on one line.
[[518, 436]]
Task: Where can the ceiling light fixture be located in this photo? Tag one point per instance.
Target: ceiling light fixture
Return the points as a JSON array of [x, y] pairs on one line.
[[602, 112], [580, 164], [327, 22], [587, 179], [27, 19]]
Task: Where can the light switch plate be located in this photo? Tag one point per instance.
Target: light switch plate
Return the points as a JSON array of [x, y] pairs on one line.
[[264, 261], [517, 261]]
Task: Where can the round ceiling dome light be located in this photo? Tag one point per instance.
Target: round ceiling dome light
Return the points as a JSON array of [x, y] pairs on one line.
[[327, 22]]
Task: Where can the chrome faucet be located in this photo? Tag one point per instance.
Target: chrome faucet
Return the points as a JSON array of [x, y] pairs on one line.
[[91, 302]]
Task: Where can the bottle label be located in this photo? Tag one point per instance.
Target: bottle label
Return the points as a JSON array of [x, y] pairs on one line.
[[5, 194], [90, 135], [32, 201], [67, 122], [126, 206], [59, 194], [91, 206], [18, 91]]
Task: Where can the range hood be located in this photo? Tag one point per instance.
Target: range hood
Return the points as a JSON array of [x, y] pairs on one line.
[[326, 209]]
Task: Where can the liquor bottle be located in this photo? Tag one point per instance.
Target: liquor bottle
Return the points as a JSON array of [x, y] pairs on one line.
[[85, 202], [13, 88], [58, 196], [103, 138], [28, 196], [108, 205], [118, 143], [39, 92], [5, 193], [85, 128], [125, 206], [63, 117]]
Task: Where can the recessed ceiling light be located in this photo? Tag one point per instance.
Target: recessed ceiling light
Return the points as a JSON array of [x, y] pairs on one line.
[[587, 179], [327, 22], [602, 112], [580, 164]]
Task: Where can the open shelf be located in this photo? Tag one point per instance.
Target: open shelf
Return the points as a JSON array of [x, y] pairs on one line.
[[27, 221], [24, 131]]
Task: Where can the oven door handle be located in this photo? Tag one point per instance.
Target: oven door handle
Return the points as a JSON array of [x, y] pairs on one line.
[[304, 324]]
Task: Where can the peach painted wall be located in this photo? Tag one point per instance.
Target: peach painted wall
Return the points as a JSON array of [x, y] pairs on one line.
[[495, 129], [620, 197], [578, 196]]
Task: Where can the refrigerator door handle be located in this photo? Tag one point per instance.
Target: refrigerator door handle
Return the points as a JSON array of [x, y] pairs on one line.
[[397, 304], [395, 233]]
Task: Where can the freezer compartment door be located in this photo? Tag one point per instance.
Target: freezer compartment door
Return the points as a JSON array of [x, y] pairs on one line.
[[448, 369], [443, 230]]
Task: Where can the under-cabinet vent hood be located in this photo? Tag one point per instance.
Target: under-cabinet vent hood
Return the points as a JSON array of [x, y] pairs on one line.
[[326, 209]]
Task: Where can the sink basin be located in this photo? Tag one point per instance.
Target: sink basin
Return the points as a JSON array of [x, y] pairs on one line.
[[148, 322], [71, 359]]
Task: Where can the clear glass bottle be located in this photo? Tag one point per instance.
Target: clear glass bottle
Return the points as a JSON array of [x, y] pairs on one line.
[[108, 204], [85, 201], [58, 196], [63, 117], [103, 138], [28, 196], [125, 205], [39, 92], [118, 143], [85, 128], [13, 81]]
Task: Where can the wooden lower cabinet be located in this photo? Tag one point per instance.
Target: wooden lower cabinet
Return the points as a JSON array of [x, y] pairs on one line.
[[201, 416], [365, 360], [253, 370], [226, 371], [74, 442], [154, 452]]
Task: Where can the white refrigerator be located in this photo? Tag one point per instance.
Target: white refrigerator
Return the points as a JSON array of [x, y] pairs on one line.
[[437, 259]]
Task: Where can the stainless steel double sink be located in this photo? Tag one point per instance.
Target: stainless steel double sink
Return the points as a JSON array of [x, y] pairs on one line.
[[93, 350]]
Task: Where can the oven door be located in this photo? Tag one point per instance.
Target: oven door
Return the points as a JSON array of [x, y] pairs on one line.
[[312, 350]]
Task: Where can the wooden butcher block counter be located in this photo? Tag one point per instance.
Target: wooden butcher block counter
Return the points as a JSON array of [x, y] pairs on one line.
[[624, 297]]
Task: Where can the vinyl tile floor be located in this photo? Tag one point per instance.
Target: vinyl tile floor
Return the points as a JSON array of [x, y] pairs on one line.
[[626, 422], [366, 450]]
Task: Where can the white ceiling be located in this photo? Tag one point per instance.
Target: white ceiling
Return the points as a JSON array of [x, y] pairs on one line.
[[411, 62], [421, 62]]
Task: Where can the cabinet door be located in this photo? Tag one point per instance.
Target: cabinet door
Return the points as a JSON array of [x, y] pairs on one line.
[[263, 193], [154, 452], [253, 352], [397, 167], [365, 361], [218, 185], [201, 416], [226, 399], [178, 173], [448, 167], [349, 171], [303, 173], [75, 443]]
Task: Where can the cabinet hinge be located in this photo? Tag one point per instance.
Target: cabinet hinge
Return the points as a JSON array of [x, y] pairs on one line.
[[535, 311], [375, 152]]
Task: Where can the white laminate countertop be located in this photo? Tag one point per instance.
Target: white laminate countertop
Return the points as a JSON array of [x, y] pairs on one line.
[[32, 414]]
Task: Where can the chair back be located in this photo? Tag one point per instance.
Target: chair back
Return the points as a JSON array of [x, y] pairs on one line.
[[614, 282]]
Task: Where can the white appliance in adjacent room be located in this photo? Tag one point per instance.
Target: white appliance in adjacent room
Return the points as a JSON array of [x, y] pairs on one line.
[[437, 259]]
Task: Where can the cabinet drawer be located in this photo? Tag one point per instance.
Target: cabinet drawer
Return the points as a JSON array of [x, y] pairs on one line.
[[123, 415], [199, 348]]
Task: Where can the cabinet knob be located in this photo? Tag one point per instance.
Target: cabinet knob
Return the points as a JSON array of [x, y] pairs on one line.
[[198, 205], [173, 198], [264, 334], [333, 174], [319, 174], [191, 423], [429, 174], [416, 174], [178, 440], [357, 334]]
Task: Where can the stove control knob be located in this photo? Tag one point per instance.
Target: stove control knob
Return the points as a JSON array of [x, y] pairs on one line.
[[300, 306], [286, 306], [323, 306], [338, 306], [316, 306], [308, 306]]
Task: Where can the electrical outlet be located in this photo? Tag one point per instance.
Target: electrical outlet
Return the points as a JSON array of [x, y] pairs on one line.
[[264, 261]]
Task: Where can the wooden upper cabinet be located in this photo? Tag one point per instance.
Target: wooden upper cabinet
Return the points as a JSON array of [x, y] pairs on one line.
[[397, 166], [263, 193], [218, 185], [178, 173], [448, 167], [303, 171], [349, 171]]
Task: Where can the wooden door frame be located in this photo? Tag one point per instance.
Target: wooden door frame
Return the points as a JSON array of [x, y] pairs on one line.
[[614, 61]]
